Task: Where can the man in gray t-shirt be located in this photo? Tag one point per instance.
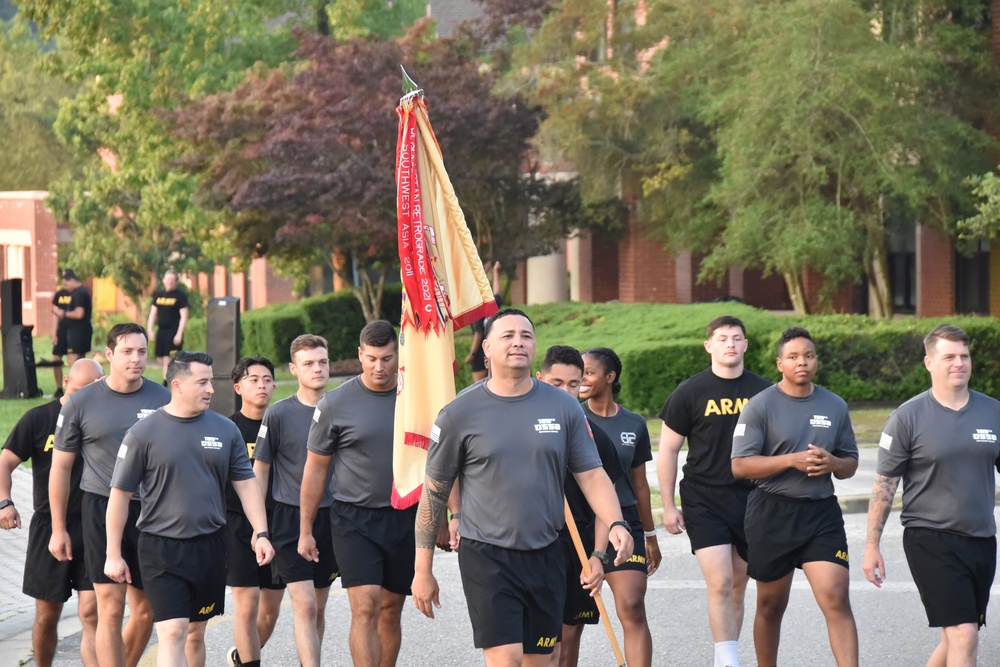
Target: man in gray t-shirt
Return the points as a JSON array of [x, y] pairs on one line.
[[352, 430], [943, 445], [183, 455], [510, 440], [92, 424], [790, 438], [281, 451]]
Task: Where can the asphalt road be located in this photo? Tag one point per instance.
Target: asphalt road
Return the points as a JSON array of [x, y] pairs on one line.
[[893, 629]]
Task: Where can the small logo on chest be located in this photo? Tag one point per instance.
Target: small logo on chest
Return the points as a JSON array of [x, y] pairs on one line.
[[820, 421], [548, 426], [984, 435], [210, 442]]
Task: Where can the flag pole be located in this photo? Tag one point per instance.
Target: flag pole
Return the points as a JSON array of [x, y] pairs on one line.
[[574, 532]]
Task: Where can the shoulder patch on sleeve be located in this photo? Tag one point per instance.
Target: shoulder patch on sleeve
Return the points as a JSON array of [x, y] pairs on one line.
[[316, 414], [740, 430], [885, 442], [262, 433], [122, 450], [59, 421], [435, 433]]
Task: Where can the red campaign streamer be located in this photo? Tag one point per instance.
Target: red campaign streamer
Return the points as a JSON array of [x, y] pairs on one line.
[[419, 282]]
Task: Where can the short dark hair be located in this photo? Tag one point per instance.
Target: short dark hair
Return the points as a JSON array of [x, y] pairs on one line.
[[307, 342], [504, 313], [944, 332], [378, 334], [562, 354], [242, 367], [124, 329], [180, 364], [610, 362], [724, 321], [790, 334]]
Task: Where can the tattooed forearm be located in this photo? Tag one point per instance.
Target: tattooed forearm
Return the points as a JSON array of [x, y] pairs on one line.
[[881, 503], [433, 502]]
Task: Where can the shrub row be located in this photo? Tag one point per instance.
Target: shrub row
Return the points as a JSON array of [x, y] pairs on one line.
[[661, 345], [269, 331]]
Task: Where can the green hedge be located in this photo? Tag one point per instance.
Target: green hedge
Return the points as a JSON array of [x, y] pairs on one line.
[[661, 345], [269, 331]]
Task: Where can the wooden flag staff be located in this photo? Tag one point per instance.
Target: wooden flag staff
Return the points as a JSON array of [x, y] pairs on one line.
[[574, 532]]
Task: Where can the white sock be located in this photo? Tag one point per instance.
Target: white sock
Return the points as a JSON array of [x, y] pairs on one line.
[[727, 654]]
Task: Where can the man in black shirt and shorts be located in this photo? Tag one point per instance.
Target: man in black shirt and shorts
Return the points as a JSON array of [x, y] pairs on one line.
[[509, 441], [255, 595], [72, 308], [170, 314], [352, 428], [944, 445], [703, 410], [281, 452], [791, 438], [182, 455], [92, 424], [47, 580]]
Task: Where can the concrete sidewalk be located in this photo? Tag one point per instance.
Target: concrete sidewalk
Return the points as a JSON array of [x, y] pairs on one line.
[[17, 611]]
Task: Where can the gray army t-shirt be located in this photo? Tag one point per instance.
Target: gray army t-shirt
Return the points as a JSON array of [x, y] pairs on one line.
[[93, 422], [947, 460], [510, 456], [183, 466], [281, 442], [355, 425], [774, 423]]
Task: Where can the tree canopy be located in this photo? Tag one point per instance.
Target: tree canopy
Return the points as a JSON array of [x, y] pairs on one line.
[[766, 134]]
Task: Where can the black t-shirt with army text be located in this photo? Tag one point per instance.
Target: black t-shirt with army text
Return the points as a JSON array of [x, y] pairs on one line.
[[33, 438], [249, 428], [704, 409], [168, 308]]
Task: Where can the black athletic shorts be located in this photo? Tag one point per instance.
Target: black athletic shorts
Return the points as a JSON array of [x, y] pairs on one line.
[[288, 564], [78, 339], [374, 546], [580, 608], [637, 561], [165, 342], [184, 578], [953, 573], [61, 345], [783, 533], [713, 515], [46, 578], [95, 539], [514, 596], [241, 559]]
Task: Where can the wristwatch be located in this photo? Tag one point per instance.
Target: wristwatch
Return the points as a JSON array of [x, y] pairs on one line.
[[265, 534], [601, 556], [6, 502]]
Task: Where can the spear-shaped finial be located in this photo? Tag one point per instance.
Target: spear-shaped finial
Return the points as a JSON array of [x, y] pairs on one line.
[[409, 85]]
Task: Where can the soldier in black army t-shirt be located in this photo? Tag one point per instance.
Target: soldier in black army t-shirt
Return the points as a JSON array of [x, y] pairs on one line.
[[704, 410], [170, 314], [46, 579]]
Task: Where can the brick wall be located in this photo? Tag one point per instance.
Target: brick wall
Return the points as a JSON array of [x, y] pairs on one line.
[[646, 272], [770, 292], [935, 273], [27, 225], [597, 269], [689, 290], [845, 300]]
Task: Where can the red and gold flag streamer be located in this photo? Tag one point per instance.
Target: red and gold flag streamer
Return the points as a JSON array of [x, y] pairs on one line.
[[444, 288]]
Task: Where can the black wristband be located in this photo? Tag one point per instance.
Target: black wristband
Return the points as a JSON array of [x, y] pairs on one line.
[[623, 524], [265, 534]]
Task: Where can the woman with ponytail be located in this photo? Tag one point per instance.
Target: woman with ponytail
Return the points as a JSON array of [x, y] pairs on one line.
[[602, 372]]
